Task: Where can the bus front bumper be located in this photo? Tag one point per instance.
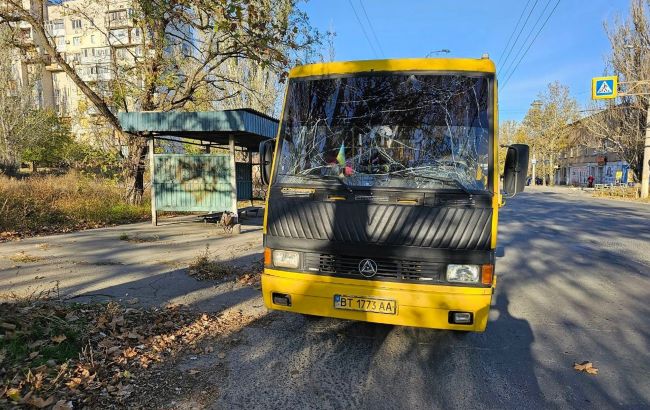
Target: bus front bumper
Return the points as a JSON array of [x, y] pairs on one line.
[[417, 305]]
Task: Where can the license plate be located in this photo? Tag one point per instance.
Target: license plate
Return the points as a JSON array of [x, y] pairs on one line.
[[387, 306]]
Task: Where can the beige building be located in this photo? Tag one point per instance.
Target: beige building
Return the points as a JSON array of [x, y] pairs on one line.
[[95, 38], [576, 163]]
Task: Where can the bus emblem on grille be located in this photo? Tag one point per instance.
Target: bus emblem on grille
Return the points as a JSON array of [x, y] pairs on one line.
[[368, 268]]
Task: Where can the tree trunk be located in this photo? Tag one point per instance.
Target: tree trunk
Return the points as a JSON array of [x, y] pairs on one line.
[[551, 171], [135, 166]]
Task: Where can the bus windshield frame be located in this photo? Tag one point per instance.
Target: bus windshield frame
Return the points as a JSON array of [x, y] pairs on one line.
[[425, 131]]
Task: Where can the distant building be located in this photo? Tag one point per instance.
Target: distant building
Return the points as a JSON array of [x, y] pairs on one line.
[[98, 39], [579, 161]]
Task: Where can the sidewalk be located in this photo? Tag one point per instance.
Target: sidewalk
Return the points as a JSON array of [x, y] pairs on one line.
[[137, 264], [567, 189]]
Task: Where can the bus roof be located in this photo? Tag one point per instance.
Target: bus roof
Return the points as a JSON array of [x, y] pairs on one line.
[[483, 65]]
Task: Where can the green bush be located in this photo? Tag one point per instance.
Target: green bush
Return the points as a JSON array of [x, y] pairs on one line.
[[52, 147], [93, 161]]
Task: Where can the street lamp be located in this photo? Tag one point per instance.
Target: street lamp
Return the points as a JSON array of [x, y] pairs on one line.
[[444, 50]]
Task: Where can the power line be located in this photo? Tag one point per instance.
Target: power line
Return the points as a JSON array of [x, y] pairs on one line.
[[372, 29], [521, 15], [523, 44], [519, 33], [363, 29], [531, 43]]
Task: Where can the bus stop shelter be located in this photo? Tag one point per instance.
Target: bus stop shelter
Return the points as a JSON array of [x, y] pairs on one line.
[[211, 182]]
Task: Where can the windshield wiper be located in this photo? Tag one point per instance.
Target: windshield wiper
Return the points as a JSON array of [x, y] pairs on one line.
[[458, 184], [336, 178], [452, 181]]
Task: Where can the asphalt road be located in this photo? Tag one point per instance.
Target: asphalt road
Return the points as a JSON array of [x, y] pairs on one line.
[[574, 285]]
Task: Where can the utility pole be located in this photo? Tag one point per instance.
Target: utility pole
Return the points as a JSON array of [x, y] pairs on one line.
[[536, 105], [152, 168], [534, 162], [631, 89], [645, 165], [645, 173]]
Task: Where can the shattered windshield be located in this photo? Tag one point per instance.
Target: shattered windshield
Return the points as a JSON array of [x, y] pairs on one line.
[[387, 130]]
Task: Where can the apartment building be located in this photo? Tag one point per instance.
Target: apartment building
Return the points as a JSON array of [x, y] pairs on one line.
[[579, 161], [94, 37]]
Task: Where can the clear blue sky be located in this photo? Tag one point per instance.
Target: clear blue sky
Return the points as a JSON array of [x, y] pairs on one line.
[[571, 48]]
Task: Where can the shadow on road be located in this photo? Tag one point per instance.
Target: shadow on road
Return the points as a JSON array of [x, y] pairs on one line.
[[564, 296], [148, 265], [303, 362]]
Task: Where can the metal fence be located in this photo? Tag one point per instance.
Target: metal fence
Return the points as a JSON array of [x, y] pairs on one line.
[[198, 182]]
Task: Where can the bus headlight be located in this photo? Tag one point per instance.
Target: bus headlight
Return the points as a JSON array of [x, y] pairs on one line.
[[463, 273], [286, 259]]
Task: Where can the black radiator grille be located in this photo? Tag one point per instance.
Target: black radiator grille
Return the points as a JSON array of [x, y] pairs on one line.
[[387, 269], [361, 224]]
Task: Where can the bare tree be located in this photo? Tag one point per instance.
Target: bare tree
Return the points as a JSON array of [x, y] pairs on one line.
[[621, 126], [256, 87], [262, 88], [178, 61]]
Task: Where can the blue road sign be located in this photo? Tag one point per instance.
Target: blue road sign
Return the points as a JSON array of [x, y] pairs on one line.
[[604, 87]]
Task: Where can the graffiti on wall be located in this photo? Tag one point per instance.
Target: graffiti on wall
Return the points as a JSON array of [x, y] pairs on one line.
[[578, 175], [616, 172]]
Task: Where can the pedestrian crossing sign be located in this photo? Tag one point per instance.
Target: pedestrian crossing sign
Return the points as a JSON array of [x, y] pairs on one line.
[[604, 87]]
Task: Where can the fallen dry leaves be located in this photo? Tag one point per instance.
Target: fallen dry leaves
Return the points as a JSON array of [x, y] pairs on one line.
[[121, 350], [586, 367], [8, 236], [23, 257], [58, 339]]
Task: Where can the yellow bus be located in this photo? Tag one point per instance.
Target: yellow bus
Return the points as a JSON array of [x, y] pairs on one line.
[[383, 192]]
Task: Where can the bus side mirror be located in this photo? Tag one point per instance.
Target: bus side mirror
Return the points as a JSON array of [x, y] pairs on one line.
[[516, 169], [267, 148]]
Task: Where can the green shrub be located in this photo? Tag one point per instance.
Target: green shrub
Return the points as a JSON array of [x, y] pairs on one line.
[[49, 148]]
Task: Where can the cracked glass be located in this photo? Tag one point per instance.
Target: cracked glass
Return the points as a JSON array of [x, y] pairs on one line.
[[394, 130]]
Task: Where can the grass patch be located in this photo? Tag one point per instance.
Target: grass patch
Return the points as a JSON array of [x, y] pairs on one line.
[[45, 204], [43, 339]]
